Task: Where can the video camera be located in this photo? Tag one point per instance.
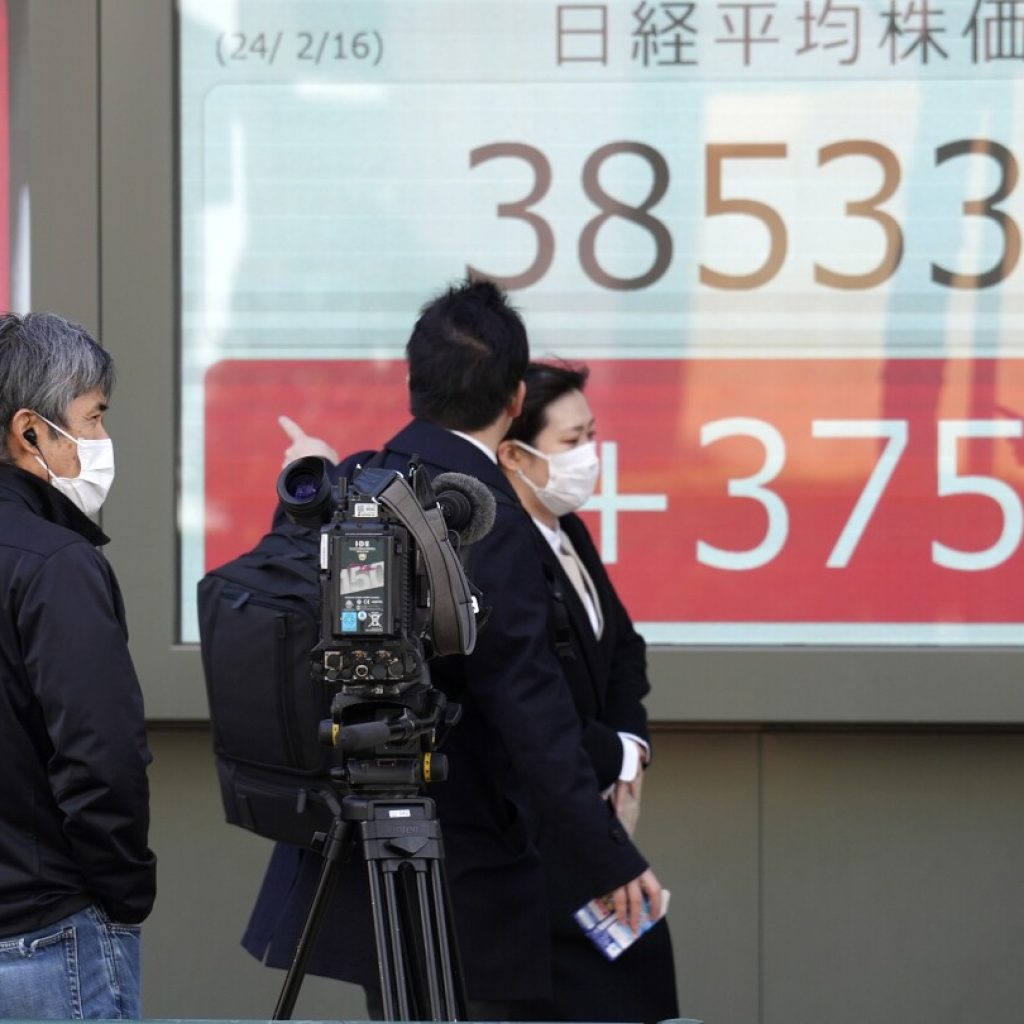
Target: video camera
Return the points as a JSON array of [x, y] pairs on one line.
[[393, 593]]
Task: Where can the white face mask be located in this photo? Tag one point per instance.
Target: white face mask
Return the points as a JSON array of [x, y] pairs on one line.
[[572, 476], [89, 489]]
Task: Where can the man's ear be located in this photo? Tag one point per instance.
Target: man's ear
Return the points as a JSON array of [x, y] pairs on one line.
[[24, 451], [23, 422], [515, 406]]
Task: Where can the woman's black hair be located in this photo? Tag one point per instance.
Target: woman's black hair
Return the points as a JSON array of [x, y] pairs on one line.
[[545, 382]]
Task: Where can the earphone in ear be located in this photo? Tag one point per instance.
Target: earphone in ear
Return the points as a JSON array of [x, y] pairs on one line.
[[30, 436]]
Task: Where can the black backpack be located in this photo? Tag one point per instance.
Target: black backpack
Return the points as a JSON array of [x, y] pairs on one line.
[[258, 623]]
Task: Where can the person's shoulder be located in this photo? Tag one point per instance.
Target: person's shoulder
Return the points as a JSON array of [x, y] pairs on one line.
[[510, 518], [348, 465], [513, 540], [34, 535], [45, 559]]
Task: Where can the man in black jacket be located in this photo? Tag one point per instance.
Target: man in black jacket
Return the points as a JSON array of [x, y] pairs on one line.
[[76, 874], [517, 752]]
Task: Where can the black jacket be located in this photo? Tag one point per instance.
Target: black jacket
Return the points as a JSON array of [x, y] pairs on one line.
[[608, 676], [608, 681], [515, 757], [74, 806]]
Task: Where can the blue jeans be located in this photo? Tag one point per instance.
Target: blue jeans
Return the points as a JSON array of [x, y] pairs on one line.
[[85, 966]]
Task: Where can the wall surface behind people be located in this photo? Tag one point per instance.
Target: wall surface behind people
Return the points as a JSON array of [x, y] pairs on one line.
[[817, 876]]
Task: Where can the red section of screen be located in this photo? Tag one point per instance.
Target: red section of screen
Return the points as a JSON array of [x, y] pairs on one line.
[[354, 404], [684, 434]]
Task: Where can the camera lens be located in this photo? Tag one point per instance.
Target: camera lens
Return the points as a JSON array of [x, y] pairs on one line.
[[304, 488]]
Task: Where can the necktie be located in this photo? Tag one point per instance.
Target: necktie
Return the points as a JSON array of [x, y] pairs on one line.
[[581, 581]]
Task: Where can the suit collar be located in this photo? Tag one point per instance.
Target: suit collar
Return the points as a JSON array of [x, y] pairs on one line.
[[436, 445], [491, 457]]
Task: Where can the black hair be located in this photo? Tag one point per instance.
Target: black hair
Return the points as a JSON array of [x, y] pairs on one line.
[[467, 354], [545, 383]]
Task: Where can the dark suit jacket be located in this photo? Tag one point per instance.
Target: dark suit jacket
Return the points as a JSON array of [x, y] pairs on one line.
[[515, 757], [607, 676], [608, 680]]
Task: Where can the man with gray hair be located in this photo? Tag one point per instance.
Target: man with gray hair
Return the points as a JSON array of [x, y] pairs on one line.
[[76, 873]]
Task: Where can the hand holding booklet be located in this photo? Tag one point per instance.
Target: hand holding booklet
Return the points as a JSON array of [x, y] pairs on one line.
[[610, 935]]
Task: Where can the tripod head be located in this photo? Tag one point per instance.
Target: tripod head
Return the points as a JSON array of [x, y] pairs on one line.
[[388, 748]]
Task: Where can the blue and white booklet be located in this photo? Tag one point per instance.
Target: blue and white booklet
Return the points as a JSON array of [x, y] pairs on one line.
[[600, 925]]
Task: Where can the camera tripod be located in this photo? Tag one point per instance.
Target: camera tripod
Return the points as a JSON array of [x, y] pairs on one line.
[[400, 836]]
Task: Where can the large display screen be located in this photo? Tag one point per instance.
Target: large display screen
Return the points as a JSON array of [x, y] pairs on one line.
[[783, 235]]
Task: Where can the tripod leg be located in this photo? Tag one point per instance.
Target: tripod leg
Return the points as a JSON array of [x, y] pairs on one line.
[[395, 990], [335, 843], [451, 966], [423, 945], [428, 921], [415, 974], [420, 976], [420, 970]]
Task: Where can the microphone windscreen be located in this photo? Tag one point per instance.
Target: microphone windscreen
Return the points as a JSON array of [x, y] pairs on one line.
[[479, 497]]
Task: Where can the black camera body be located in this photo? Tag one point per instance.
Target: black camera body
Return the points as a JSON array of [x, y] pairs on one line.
[[369, 590], [392, 593]]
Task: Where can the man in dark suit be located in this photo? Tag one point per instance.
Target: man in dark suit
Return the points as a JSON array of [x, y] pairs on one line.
[[516, 756]]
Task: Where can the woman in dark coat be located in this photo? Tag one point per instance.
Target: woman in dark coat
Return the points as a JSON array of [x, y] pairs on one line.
[[550, 458]]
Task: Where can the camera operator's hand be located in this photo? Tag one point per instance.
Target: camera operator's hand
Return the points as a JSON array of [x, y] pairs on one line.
[[302, 444], [629, 900]]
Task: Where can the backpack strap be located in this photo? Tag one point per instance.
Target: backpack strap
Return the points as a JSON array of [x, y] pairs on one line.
[[560, 613]]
